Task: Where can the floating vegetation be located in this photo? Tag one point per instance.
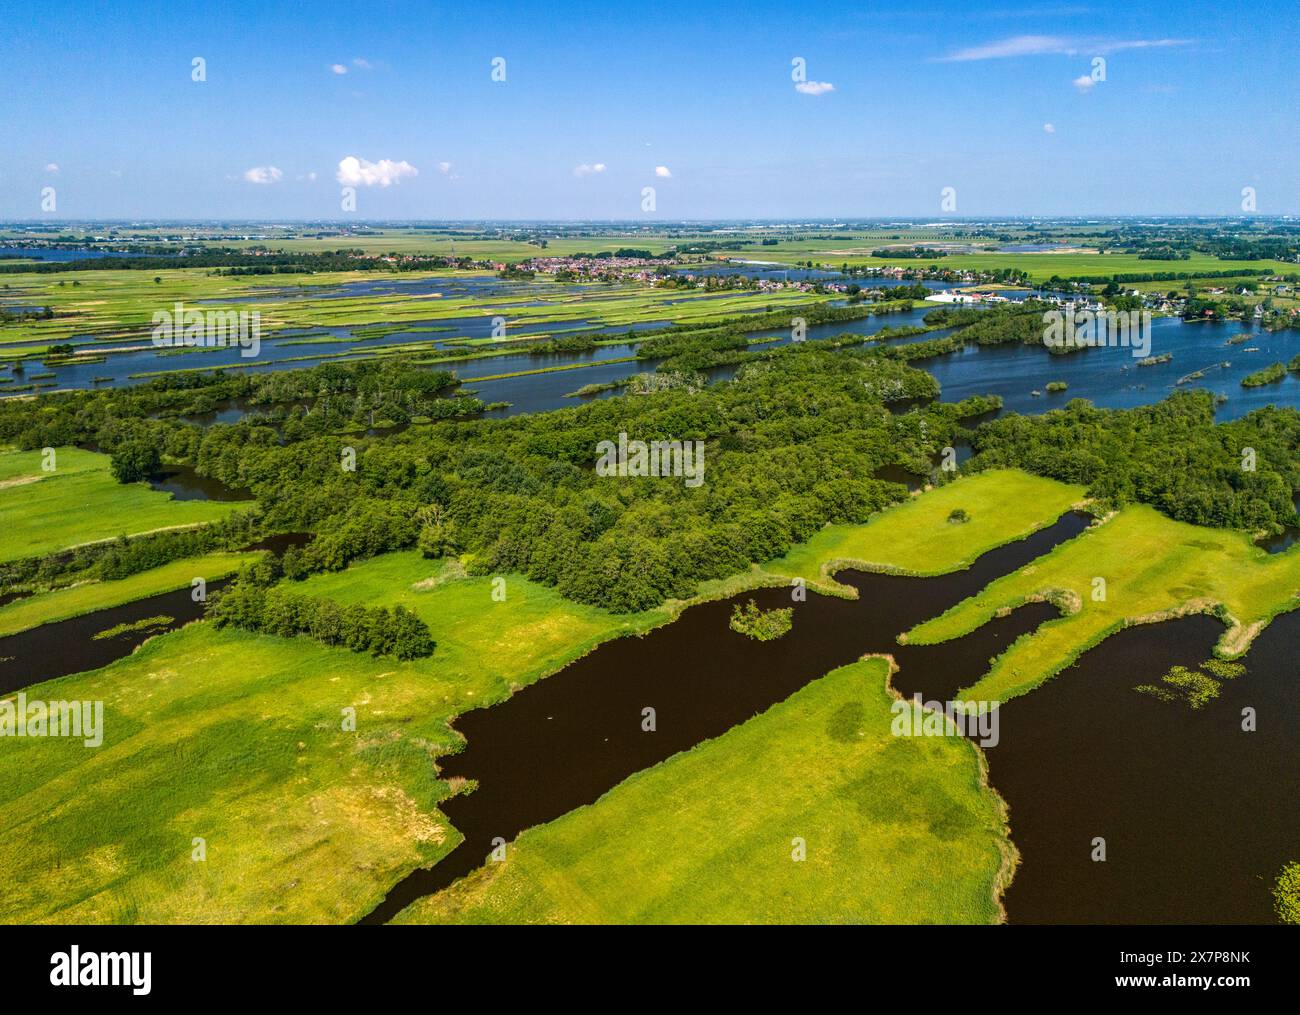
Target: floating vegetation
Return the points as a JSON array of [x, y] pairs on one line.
[[1193, 688], [1056, 386], [1286, 894], [147, 624], [1151, 361]]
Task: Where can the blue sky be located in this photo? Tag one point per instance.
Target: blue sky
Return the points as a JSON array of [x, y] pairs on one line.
[[1199, 100]]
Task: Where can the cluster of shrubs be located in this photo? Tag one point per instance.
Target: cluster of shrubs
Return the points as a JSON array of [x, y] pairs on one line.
[[277, 610]]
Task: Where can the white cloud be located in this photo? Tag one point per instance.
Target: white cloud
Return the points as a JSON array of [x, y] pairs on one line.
[[309, 177], [587, 169], [263, 174], [362, 63], [1044, 45], [814, 87], [1083, 83], [1049, 128], [357, 172], [338, 68], [663, 171], [444, 168], [51, 167]]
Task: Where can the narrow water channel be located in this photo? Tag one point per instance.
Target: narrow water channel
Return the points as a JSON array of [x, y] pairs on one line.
[[69, 646]]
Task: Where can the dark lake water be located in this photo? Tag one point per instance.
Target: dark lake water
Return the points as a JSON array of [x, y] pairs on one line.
[[68, 646], [183, 483], [1198, 816]]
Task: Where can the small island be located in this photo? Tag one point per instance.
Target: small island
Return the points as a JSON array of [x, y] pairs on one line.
[[761, 625]]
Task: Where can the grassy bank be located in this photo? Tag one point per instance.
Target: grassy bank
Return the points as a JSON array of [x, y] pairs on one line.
[[46, 607], [917, 538], [239, 737], [1151, 567]]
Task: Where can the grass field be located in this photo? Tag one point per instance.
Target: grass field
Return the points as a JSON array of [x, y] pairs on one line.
[[237, 738], [1152, 568], [46, 607], [80, 502], [896, 829], [917, 538]]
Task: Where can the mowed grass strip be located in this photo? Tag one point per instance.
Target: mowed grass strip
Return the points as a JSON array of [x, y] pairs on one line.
[[1152, 568], [896, 830], [80, 502], [46, 607], [917, 538]]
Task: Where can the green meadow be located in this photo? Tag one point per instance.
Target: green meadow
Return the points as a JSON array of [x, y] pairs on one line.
[[80, 502], [916, 537], [894, 829], [237, 739]]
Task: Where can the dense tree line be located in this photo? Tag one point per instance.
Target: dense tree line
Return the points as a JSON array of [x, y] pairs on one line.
[[1171, 455], [122, 557], [278, 610]]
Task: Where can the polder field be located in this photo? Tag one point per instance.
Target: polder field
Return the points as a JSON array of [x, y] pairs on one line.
[[101, 312]]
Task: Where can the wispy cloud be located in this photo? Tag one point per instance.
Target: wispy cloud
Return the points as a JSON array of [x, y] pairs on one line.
[[263, 175], [587, 169], [355, 172], [1049, 128], [814, 87], [51, 167], [1055, 45], [338, 68], [361, 63], [1084, 83]]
